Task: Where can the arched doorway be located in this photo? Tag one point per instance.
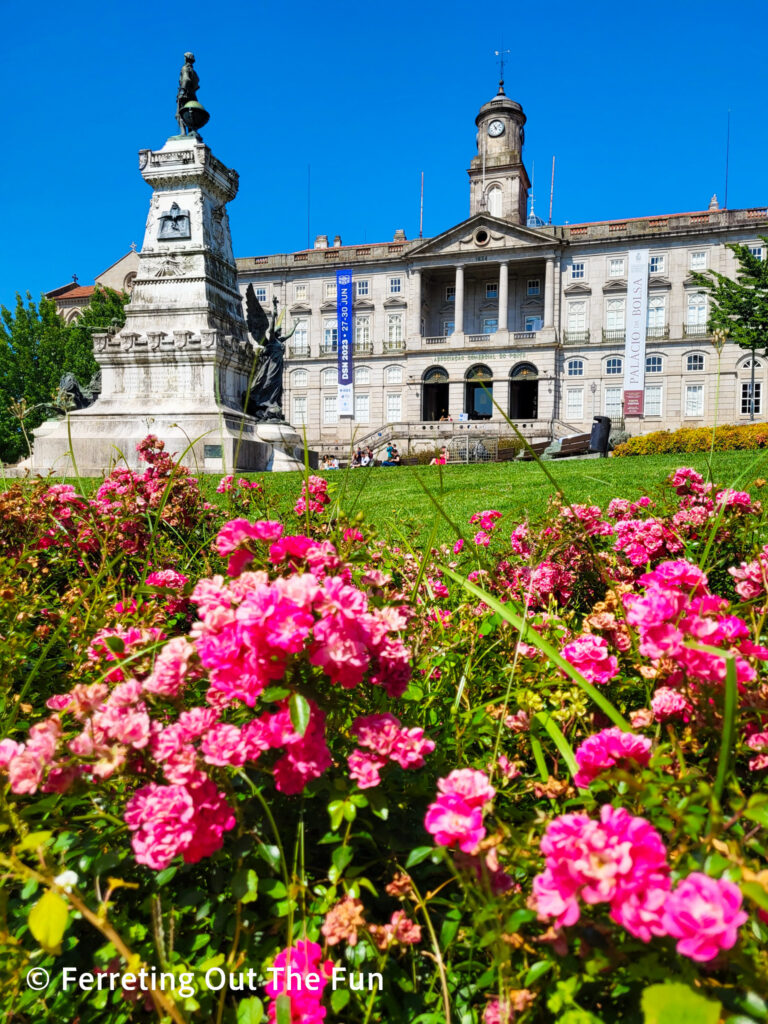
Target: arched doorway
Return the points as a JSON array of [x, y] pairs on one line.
[[478, 389], [523, 392], [434, 393]]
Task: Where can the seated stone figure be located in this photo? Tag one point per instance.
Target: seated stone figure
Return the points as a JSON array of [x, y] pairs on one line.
[[72, 396]]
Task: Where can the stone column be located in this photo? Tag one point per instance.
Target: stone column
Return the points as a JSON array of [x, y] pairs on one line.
[[549, 294], [414, 306], [458, 325], [503, 296]]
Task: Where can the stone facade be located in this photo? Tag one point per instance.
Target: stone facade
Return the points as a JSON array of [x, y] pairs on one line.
[[535, 312]]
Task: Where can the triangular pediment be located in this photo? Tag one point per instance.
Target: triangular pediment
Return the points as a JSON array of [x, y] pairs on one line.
[[482, 234], [617, 285], [362, 304], [299, 307], [578, 289]]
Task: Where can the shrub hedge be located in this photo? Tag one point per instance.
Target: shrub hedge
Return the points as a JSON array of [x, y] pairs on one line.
[[696, 439]]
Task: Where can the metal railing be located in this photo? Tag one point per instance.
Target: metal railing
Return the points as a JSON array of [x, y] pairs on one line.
[[574, 337], [657, 332], [328, 348], [614, 334], [695, 331], [363, 348], [394, 346], [298, 351]]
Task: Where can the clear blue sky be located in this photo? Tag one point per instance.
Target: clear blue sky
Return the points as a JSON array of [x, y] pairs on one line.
[[633, 105]]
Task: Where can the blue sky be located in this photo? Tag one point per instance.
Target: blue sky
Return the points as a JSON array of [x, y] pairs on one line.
[[631, 99]]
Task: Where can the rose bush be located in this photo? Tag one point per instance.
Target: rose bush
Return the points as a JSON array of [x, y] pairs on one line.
[[514, 778]]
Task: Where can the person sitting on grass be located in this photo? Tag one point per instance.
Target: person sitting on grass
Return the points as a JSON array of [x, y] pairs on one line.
[[393, 456], [357, 459], [441, 459]]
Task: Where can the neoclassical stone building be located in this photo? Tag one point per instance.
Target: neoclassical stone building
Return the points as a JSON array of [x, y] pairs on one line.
[[536, 313]]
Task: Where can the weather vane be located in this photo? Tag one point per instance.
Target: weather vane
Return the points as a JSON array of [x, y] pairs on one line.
[[500, 55]]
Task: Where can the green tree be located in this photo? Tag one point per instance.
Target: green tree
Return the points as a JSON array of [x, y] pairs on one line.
[[740, 307], [36, 348]]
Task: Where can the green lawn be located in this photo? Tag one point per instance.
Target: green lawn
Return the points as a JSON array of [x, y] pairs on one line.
[[395, 500]]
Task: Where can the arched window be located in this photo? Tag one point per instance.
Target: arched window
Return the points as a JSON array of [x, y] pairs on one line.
[[697, 310], [524, 371], [479, 372], [747, 364], [300, 378], [330, 376], [694, 362], [493, 200], [614, 365], [393, 375], [575, 367], [435, 375], [362, 375], [653, 364]]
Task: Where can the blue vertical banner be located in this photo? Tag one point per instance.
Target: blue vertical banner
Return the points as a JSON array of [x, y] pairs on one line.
[[346, 401]]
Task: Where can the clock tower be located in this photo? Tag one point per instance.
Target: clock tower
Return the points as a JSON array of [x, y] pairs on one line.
[[498, 181]]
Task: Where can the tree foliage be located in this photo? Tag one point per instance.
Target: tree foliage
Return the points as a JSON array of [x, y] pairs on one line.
[[740, 306], [36, 349]]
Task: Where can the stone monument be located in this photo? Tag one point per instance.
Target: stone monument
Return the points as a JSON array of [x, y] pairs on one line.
[[183, 365]]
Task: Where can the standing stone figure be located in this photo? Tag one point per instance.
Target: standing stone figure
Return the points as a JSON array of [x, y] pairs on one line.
[[189, 83], [265, 402]]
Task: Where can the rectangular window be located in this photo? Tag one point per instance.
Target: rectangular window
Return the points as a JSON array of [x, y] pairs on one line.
[[577, 316], [616, 267], [329, 409], [330, 334], [361, 289], [362, 330], [652, 404], [615, 319], [261, 294], [448, 327], [450, 293], [657, 312], [330, 289], [613, 402], [698, 260], [746, 396], [300, 292], [301, 337], [393, 408], [491, 289], [757, 250], [533, 323], [299, 410], [574, 403], [657, 264], [395, 285], [362, 408], [395, 327], [694, 400], [490, 326], [578, 271], [697, 310], [533, 286]]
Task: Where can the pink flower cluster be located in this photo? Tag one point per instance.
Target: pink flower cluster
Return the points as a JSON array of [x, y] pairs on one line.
[[238, 539], [621, 860], [607, 749], [487, 522], [305, 992], [385, 740], [400, 930], [227, 484], [645, 539], [676, 612], [456, 817], [185, 819], [314, 495], [590, 655], [752, 577], [118, 643], [590, 517], [252, 628]]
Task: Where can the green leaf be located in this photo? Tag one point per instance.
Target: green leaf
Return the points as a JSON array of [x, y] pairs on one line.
[[271, 854], [339, 999], [757, 809], [417, 855], [274, 888], [755, 892], [48, 921], [250, 1011], [273, 693], [677, 1004], [336, 812], [341, 857], [729, 725], [300, 712], [115, 644], [165, 875], [562, 744], [536, 971], [33, 841], [245, 885], [283, 1008]]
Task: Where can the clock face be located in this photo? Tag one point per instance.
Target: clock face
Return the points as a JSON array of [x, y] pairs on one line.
[[496, 128]]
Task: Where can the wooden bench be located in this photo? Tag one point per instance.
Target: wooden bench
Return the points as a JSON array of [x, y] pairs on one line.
[[538, 446], [576, 445]]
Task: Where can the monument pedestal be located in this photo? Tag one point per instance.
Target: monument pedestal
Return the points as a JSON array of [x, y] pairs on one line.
[[181, 365], [287, 447]]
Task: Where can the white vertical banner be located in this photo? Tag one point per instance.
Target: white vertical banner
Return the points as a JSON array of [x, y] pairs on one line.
[[346, 406], [637, 314]]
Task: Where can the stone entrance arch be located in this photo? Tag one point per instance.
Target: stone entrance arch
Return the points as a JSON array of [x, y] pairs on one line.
[[523, 392], [434, 393]]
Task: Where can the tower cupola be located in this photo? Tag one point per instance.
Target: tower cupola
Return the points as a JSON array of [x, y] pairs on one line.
[[498, 181]]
